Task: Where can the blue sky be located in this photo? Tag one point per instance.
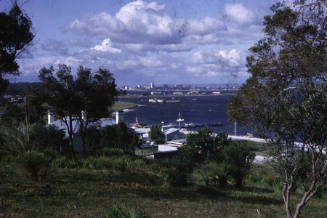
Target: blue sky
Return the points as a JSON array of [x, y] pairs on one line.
[[160, 41]]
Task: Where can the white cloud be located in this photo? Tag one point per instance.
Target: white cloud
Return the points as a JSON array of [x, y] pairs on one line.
[[134, 22], [211, 74], [200, 27], [150, 61], [200, 57], [139, 47], [196, 70], [105, 46], [140, 21], [231, 58], [239, 13]]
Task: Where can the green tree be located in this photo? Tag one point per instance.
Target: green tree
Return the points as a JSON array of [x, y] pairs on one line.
[[237, 161], [206, 145], [156, 134], [118, 136], [15, 36], [77, 102], [285, 97], [96, 93]]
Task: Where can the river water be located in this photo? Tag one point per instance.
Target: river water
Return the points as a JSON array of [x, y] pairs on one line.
[[196, 110]]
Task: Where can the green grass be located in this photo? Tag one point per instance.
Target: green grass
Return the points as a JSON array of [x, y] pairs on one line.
[[121, 105], [133, 183]]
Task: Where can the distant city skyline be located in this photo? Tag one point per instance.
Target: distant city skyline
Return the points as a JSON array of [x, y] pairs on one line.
[[164, 42]]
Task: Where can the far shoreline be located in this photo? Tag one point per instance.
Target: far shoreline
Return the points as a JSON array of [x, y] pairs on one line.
[[169, 96]]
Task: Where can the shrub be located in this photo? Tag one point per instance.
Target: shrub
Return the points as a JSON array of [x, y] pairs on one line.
[[117, 211], [237, 162], [212, 173], [156, 134], [37, 164], [118, 136], [45, 137], [175, 177]]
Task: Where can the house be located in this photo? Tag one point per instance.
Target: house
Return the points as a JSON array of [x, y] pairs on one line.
[[172, 134], [143, 132]]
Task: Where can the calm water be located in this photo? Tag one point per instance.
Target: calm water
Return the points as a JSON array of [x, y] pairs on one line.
[[199, 110]]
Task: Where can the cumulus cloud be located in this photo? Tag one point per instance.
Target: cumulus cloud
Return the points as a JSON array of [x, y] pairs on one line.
[[150, 61], [239, 13], [105, 46], [136, 21], [201, 27], [228, 58], [140, 21], [145, 47], [200, 57], [141, 41]]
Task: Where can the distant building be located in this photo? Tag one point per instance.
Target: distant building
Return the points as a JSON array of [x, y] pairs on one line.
[[173, 134], [151, 85], [156, 93]]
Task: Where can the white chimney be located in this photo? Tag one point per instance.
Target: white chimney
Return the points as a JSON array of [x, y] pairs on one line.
[[83, 115], [49, 117], [117, 117]]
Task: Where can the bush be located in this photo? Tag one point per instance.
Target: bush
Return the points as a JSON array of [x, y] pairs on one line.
[[175, 177], [237, 162], [212, 173], [118, 136], [47, 137], [37, 164], [156, 134], [117, 211]]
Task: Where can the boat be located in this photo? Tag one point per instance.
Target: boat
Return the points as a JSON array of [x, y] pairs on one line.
[[156, 100], [179, 119]]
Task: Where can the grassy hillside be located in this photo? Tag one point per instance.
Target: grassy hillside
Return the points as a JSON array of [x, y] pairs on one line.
[[95, 186]]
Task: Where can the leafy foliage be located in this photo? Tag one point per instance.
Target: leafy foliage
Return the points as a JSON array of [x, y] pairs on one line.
[[285, 97], [156, 134], [118, 136], [84, 100], [202, 149], [15, 36], [237, 162], [38, 164]]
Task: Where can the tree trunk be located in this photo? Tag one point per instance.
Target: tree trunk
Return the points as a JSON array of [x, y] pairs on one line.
[[71, 134]]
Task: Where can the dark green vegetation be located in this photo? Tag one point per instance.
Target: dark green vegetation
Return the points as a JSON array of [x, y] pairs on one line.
[[114, 182], [233, 160], [156, 135], [15, 36], [84, 99], [285, 97]]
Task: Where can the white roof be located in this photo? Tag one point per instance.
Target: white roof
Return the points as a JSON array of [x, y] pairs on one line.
[[170, 130], [166, 147], [141, 130]]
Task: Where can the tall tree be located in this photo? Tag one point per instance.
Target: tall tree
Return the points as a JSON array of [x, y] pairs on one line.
[[285, 97], [77, 102], [15, 36], [96, 92]]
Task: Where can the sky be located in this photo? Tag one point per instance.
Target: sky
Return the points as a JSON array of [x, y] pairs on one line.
[[143, 41]]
